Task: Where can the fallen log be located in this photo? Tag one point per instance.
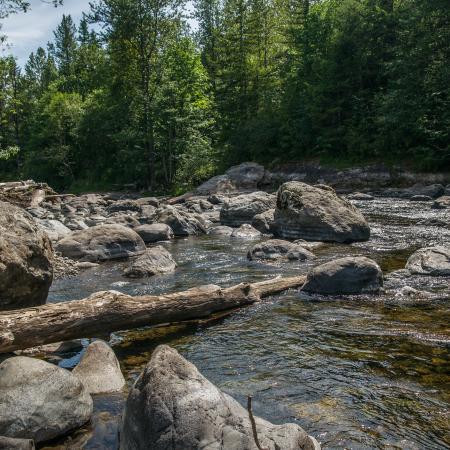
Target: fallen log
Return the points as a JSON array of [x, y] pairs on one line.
[[107, 311]]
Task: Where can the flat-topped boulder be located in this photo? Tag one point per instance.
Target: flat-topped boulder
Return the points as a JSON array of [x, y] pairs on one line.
[[101, 243], [349, 275], [26, 268], [172, 406], [316, 213], [154, 261], [39, 400], [433, 261], [242, 208]]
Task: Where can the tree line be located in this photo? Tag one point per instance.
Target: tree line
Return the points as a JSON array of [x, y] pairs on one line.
[[163, 93]]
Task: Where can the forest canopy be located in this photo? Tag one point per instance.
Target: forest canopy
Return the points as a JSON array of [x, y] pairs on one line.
[[134, 93]]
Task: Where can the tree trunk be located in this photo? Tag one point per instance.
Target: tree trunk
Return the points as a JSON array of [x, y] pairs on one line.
[[108, 311]]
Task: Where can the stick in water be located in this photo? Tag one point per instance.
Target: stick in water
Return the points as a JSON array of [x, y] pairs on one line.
[[252, 421]]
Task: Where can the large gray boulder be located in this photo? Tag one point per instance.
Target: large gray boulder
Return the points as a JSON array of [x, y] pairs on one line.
[[99, 369], [154, 261], [155, 232], [274, 249], [172, 406], [316, 213], [242, 208], [349, 275], [432, 190], [101, 243], [181, 222], [434, 261], [26, 269], [39, 400]]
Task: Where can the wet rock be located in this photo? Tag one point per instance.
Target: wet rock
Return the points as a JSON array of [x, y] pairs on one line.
[[246, 231], [421, 198], [441, 202], [154, 261], [434, 261], [360, 196], [242, 208], [265, 222], [26, 254], [39, 400], [101, 243], [172, 406], [155, 232], [181, 222], [276, 249], [16, 444], [54, 228], [220, 231], [99, 369], [349, 275], [317, 214]]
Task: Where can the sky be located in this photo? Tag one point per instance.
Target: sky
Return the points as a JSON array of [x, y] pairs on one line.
[[26, 32]]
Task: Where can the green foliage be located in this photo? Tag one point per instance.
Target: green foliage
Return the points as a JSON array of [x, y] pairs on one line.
[[148, 102]]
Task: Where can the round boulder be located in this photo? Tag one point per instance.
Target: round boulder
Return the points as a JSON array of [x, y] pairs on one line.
[[39, 400], [274, 249], [434, 261], [350, 275], [154, 261], [246, 231], [316, 213], [99, 369], [101, 243], [26, 269]]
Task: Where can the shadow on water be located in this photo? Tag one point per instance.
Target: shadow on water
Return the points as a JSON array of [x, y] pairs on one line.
[[355, 372]]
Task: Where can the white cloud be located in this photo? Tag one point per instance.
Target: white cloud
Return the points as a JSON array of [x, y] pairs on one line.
[[26, 32]]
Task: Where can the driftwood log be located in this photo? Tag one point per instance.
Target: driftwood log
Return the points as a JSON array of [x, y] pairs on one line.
[[108, 311]]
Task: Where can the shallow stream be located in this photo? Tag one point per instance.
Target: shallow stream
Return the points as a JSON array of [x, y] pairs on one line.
[[355, 372]]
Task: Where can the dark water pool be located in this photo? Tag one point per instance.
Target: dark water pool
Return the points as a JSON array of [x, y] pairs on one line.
[[355, 372]]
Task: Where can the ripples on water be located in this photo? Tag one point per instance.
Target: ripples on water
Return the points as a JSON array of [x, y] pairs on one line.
[[355, 372]]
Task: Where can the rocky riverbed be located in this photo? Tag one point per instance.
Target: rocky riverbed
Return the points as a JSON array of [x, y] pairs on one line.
[[355, 371]]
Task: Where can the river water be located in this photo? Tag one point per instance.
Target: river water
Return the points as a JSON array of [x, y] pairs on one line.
[[367, 372]]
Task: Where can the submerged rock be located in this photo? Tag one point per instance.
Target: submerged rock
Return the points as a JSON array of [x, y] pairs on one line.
[[360, 196], [421, 198], [39, 400], [276, 248], [242, 208], [434, 261], [26, 254], [316, 213], [154, 261], [172, 406], [99, 369], [246, 231], [101, 243], [349, 275], [155, 232]]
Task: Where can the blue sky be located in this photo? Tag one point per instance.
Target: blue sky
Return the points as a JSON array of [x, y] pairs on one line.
[[26, 32]]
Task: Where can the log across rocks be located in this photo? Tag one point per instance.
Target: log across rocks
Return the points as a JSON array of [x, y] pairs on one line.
[[109, 311]]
